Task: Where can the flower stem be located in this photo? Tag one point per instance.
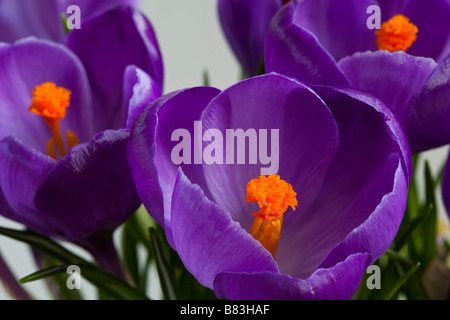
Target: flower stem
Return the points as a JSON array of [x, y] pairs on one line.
[[106, 257]]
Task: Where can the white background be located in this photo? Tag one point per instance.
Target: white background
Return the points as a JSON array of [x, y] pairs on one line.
[[191, 41]]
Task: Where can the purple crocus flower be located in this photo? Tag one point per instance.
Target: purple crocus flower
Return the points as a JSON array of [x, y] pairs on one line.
[[78, 185], [340, 153], [415, 88], [42, 19], [245, 23], [340, 26]]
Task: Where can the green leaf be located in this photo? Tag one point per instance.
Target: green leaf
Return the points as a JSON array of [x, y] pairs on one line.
[[64, 23], [403, 236], [422, 240], [44, 273], [112, 285], [139, 224], [130, 255], [166, 277], [430, 222], [206, 80], [60, 280], [43, 244], [400, 282]]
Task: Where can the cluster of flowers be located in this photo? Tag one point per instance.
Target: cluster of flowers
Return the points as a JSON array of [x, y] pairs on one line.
[[350, 113]]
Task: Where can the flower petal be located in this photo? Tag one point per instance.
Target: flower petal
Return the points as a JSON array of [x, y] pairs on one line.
[[208, 241], [42, 19], [23, 171], [294, 51], [245, 23], [139, 90], [384, 75], [431, 18], [27, 64], [340, 26], [90, 9], [126, 38], [151, 144], [391, 8], [21, 19], [270, 102], [6, 210], [91, 189], [337, 283], [428, 118], [375, 235]]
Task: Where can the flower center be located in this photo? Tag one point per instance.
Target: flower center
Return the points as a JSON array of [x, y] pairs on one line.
[[286, 1], [50, 102], [396, 34], [274, 196]]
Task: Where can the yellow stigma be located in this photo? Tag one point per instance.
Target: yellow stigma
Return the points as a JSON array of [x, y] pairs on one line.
[[50, 102], [396, 34], [274, 196]]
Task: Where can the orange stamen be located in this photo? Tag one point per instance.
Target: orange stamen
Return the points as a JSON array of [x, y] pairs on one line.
[[274, 196], [72, 139], [53, 124], [396, 34], [50, 102]]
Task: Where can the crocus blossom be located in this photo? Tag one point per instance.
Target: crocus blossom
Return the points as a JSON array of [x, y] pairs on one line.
[[64, 172], [415, 88], [43, 19], [343, 165], [341, 26]]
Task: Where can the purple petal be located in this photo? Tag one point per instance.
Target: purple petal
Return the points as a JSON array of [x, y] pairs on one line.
[[361, 174], [42, 19], [428, 118], [6, 210], [106, 45], [23, 171], [294, 51], [90, 9], [271, 102], [20, 19], [340, 26], [391, 8], [245, 23], [91, 189], [30, 63], [337, 283], [384, 75], [208, 240], [139, 90], [431, 18], [150, 148], [376, 233]]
